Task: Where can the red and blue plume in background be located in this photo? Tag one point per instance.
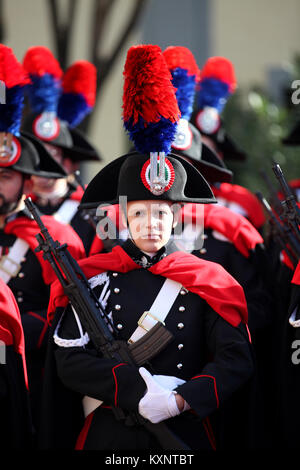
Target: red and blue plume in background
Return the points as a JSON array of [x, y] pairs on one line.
[[185, 76], [217, 83], [78, 92], [46, 75], [150, 109], [13, 78]]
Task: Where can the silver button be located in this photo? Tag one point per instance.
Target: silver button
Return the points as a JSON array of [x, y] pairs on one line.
[[20, 293], [119, 326], [180, 326], [117, 307], [179, 366], [183, 291], [180, 346], [21, 275], [114, 274], [116, 290], [203, 251], [20, 299], [181, 309], [204, 236]]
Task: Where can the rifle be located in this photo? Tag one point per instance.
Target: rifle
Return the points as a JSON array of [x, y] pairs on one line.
[[99, 327], [273, 196], [291, 211], [282, 233]]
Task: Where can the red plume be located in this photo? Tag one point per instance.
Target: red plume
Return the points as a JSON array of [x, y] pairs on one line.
[[39, 60], [11, 71], [148, 90], [222, 69], [182, 57], [81, 78]]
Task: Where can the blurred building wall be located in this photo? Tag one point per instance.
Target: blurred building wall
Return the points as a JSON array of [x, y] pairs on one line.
[[256, 35]]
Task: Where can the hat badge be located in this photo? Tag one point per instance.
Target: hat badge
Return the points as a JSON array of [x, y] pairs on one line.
[[208, 120], [46, 126], [10, 149], [158, 174], [184, 137]]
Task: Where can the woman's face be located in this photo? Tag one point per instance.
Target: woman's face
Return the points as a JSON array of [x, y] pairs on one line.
[[150, 224]]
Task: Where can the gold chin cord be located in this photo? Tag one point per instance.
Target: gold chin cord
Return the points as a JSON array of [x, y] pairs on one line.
[[157, 173]]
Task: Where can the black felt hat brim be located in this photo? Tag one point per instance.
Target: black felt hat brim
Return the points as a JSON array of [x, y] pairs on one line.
[[294, 137], [223, 141], [36, 160], [81, 150], [70, 140], [210, 165], [230, 150], [105, 188]]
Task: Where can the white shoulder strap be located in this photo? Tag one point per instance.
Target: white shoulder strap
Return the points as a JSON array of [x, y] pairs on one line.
[[158, 312], [159, 309], [10, 264], [66, 211]]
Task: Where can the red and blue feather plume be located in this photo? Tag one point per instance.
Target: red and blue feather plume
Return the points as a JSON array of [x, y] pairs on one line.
[[150, 109], [13, 79], [46, 76], [78, 92], [217, 83], [185, 76]]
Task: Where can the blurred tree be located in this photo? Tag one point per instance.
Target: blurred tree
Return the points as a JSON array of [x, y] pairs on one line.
[[62, 28], [257, 124]]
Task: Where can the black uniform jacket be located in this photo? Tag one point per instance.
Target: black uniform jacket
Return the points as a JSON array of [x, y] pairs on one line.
[[245, 270], [32, 295], [213, 357]]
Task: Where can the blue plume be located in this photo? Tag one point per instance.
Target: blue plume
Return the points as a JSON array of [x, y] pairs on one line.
[[213, 93], [152, 137], [10, 119], [185, 93], [44, 93], [72, 108]]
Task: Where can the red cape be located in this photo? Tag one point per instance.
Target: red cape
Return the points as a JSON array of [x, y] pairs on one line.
[[27, 229], [204, 278], [234, 226], [113, 212], [296, 276], [244, 197], [11, 330]]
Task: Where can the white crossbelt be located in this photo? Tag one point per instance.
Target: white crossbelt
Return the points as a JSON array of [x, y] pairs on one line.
[[66, 211], [10, 264], [158, 313], [159, 310]]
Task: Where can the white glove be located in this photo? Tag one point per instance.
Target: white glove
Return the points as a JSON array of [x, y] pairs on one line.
[[158, 403], [168, 381]]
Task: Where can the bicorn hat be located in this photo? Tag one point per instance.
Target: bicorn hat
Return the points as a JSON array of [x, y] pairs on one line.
[[20, 151], [150, 115], [59, 102]]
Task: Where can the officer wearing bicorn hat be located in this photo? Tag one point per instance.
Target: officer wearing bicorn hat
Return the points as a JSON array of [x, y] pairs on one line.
[[21, 268], [200, 304], [59, 101]]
